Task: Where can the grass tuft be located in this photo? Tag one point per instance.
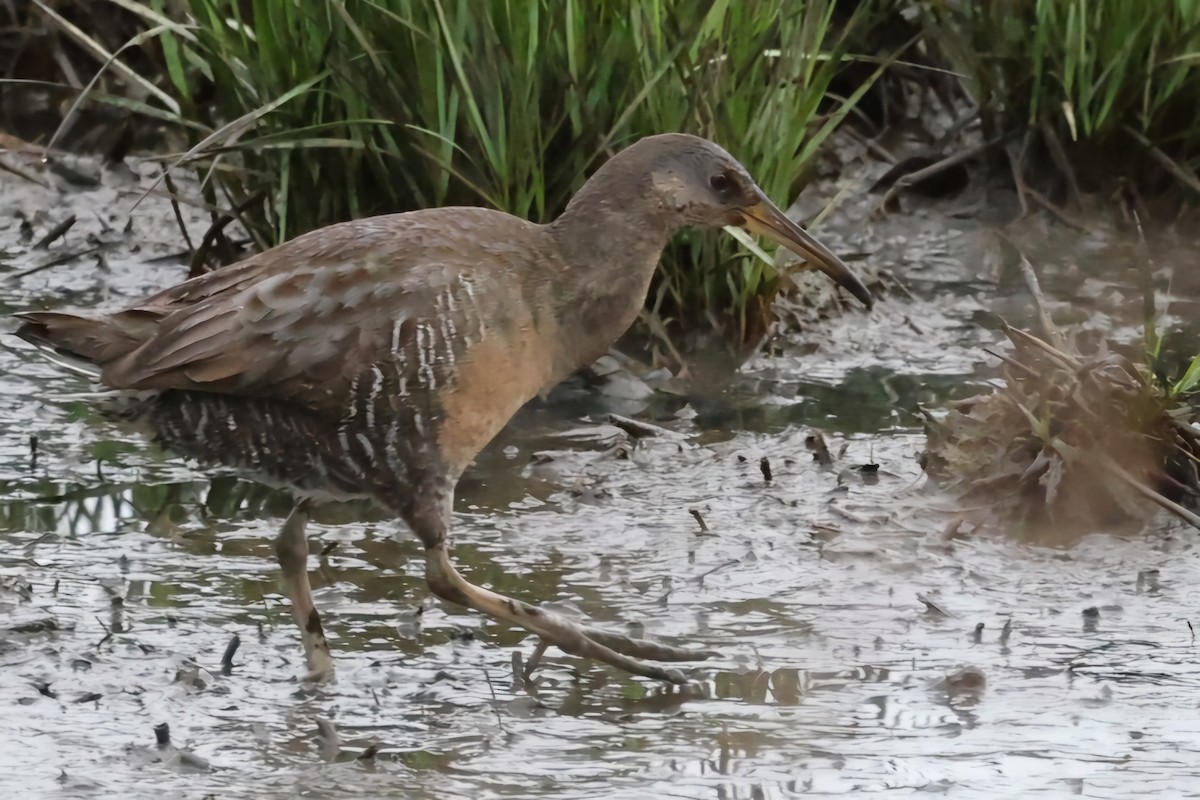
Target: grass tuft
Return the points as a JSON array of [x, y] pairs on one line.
[[1103, 77]]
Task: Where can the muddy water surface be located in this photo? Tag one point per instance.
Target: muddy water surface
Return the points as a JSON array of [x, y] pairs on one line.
[[862, 651]]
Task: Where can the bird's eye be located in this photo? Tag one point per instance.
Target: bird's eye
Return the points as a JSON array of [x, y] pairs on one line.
[[721, 182]]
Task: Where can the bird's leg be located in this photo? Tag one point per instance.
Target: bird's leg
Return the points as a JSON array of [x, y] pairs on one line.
[[291, 547], [585, 641]]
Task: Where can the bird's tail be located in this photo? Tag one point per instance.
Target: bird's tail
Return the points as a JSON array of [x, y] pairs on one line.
[[79, 344]]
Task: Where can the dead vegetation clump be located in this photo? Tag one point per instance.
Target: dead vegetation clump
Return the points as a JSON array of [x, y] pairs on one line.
[[1069, 444]]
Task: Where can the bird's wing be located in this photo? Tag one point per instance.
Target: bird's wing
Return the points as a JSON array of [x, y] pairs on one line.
[[309, 319]]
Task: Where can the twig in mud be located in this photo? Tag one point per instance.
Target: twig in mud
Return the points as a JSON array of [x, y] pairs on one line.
[[1178, 171], [904, 181], [969, 118], [894, 284], [200, 256], [933, 607], [495, 700], [107, 633], [55, 262], [162, 734], [1063, 216], [695, 512], [1017, 165], [227, 658], [1049, 330], [54, 233], [173, 194], [162, 738], [1006, 631], [1012, 362], [20, 173], [873, 146], [1115, 469], [764, 464], [1063, 359], [815, 441], [639, 430], [534, 660], [717, 568]]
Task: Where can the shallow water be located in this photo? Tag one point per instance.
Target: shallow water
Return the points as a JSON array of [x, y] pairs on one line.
[[853, 660]]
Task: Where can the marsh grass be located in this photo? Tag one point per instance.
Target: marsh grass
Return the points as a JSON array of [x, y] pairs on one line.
[[1100, 80]]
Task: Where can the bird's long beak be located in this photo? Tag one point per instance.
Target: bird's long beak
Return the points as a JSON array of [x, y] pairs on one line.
[[765, 219]]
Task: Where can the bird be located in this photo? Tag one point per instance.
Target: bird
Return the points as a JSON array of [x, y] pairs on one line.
[[375, 358]]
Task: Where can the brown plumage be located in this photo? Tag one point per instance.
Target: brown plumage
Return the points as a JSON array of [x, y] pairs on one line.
[[377, 357]]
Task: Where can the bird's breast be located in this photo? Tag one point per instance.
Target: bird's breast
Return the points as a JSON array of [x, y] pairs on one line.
[[493, 379]]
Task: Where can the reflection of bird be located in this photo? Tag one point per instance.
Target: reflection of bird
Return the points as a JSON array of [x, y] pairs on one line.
[[377, 357]]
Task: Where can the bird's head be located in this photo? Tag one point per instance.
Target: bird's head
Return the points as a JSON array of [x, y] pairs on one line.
[[702, 185]]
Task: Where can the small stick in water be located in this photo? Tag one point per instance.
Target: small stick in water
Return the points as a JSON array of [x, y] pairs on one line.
[[534, 659], [174, 195], [495, 707], [54, 233], [230, 650], [639, 429], [819, 447], [932, 607]]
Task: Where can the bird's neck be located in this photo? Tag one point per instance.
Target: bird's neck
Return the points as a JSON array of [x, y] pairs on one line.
[[610, 237]]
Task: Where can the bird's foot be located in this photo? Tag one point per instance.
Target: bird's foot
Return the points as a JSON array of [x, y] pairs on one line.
[[620, 651], [624, 652]]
